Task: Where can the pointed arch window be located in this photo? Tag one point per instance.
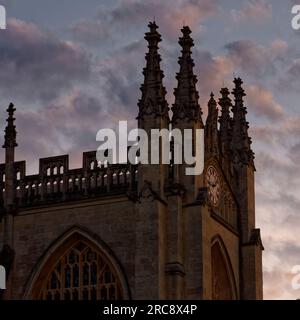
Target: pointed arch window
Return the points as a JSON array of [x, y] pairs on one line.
[[82, 272], [223, 283]]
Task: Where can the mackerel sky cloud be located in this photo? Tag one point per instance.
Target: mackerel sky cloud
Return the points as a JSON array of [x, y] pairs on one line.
[[73, 67]]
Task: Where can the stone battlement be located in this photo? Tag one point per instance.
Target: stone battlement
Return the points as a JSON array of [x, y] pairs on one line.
[[55, 182]]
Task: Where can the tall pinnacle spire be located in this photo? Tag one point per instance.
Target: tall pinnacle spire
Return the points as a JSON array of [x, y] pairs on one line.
[[211, 129], [153, 101], [186, 104], [9, 145], [241, 143], [225, 119], [10, 130]]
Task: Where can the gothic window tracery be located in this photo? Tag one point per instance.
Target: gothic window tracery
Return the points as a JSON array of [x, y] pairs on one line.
[[82, 273]]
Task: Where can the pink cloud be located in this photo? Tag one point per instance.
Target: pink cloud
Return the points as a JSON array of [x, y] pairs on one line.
[[171, 15], [255, 59], [263, 103], [253, 10], [35, 65], [191, 13]]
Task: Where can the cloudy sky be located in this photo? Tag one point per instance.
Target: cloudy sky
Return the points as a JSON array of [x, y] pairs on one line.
[[72, 67]]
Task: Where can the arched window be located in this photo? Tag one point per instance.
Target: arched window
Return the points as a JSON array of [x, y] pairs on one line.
[[80, 272]]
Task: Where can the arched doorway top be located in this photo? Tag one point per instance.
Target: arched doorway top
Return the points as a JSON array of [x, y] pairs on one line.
[[223, 279], [81, 254]]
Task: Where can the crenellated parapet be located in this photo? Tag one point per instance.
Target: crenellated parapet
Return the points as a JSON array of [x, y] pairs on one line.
[[56, 182]]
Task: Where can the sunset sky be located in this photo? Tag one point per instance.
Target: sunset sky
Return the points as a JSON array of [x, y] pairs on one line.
[[73, 67]]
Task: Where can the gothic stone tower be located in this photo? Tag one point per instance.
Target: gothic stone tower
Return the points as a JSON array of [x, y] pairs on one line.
[[145, 231]]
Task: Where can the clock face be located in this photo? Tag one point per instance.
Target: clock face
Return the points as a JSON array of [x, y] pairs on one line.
[[213, 184]]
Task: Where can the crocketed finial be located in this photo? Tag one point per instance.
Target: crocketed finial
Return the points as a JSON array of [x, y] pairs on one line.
[[153, 100], [10, 130], [186, 106]]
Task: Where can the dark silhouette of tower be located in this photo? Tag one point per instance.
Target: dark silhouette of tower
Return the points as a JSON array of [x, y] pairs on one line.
[[145, 231]]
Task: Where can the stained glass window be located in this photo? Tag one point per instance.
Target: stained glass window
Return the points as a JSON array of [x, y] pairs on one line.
[[82, 273]]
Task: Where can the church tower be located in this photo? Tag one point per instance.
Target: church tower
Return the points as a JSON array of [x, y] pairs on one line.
[[9, 204], [243, 166], [187, 113], [151, 205], [182, 188], [147, 230]]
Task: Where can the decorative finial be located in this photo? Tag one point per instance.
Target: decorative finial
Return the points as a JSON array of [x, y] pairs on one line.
[[238, 82], [153, 37], [212, 104], [153, 101], [238, 91], [186, 31], [212, 101], [153, 26], [186, 42], [241, 142], [186, 106], [10, 130], [11, 109], [212, 143], [225, 122], [224, 92]]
